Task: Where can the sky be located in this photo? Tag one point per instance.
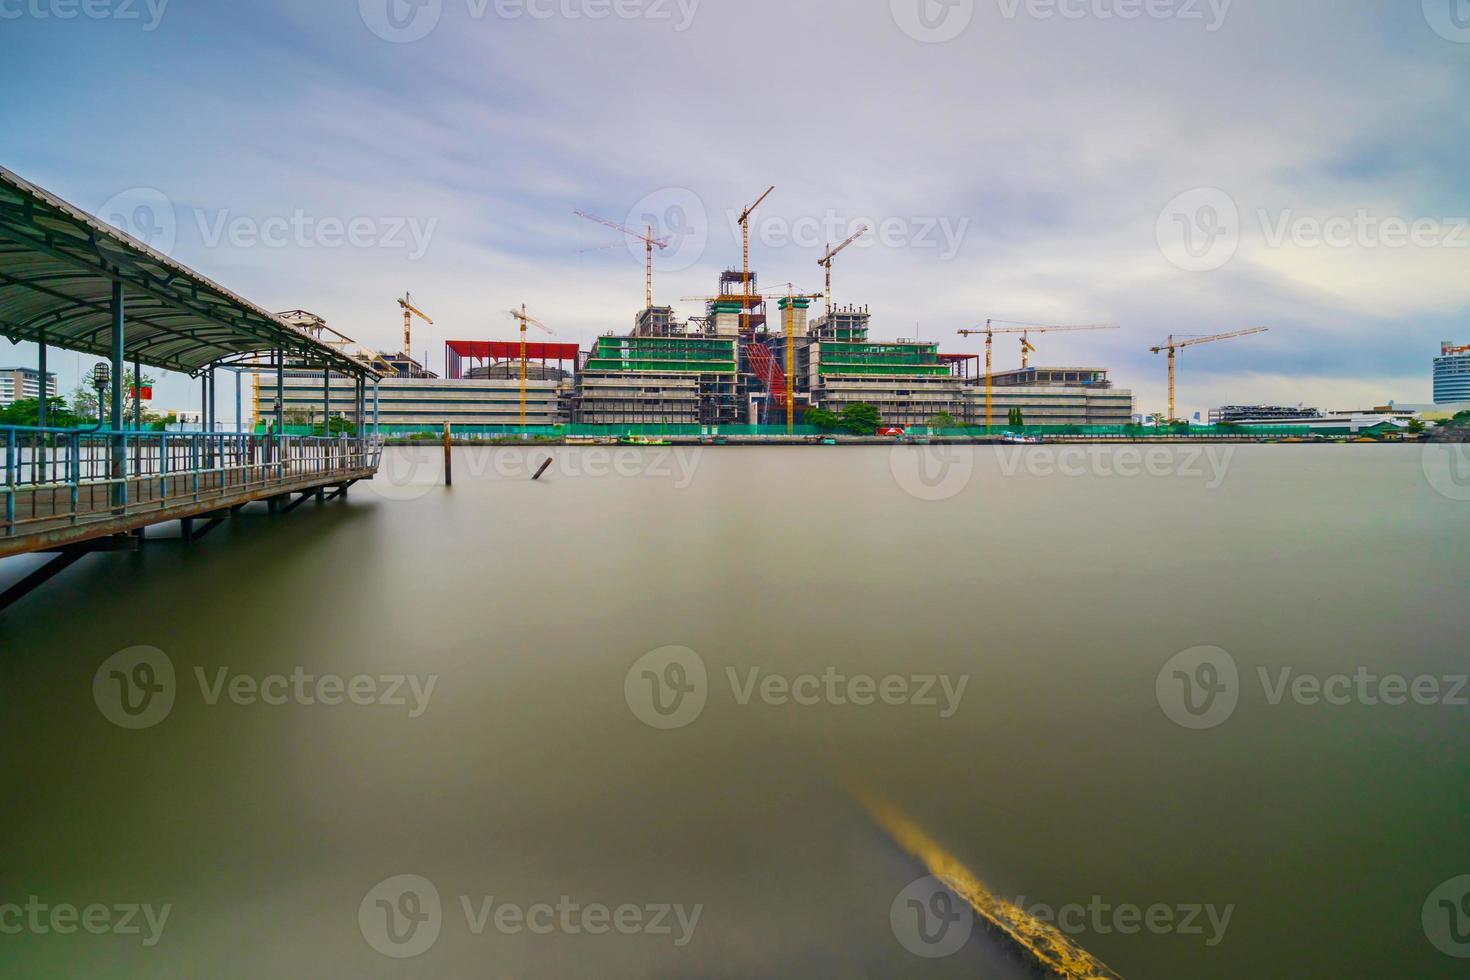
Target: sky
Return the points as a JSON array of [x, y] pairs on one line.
[[1181, 167]]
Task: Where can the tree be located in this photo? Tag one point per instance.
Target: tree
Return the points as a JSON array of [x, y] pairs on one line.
[[861, 419], [1016, 419], [1416, 426], [944, 420], [27, 411], [823, 419]]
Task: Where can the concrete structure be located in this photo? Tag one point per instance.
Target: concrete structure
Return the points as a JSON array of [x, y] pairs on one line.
[[21, 383], [419, 402], [674, 379], [1452, 374], [1234, 414], [1050, 396]]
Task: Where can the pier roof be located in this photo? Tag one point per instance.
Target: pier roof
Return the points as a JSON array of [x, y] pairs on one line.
[[58, 265]]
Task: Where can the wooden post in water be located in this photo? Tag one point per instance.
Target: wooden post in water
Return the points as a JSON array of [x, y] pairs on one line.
[[541, 470], [448, 459]]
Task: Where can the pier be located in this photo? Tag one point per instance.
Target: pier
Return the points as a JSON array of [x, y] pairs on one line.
[[70, 281]]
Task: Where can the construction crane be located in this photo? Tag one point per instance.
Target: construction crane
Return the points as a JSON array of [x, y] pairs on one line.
[[989, 332], [1175, 346], [790, 323], [649, 243], [826, 261], [525, 318], [409, 312], [745, 256], [1028, 348]]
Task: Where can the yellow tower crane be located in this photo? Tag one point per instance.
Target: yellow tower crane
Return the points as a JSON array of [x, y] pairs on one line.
[[745, 257], [409, 312], [649, 243], [525, 318], [790, 323], [1175, 346], [989, 332], [826, 261], [1028, 348]]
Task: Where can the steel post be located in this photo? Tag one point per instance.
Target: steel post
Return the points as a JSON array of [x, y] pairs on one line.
[[119, 447], [42, 403]]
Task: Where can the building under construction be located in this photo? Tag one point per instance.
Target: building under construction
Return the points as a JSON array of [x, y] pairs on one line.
[[730, 367]]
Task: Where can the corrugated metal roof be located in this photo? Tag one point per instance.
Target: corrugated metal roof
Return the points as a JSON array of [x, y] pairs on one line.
[[57, 267]]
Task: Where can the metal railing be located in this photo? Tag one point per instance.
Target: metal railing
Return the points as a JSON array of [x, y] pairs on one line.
[[56, 477]]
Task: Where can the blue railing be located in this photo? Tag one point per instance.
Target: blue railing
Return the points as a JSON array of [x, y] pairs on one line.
[[70, 476]]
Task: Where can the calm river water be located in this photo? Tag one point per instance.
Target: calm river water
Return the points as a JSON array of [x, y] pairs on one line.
[[602, 725]]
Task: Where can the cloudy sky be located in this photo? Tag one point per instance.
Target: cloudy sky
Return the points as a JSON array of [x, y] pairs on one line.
[[1173, 166]]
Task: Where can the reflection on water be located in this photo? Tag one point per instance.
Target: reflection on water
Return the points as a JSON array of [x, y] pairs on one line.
[[634, 689]]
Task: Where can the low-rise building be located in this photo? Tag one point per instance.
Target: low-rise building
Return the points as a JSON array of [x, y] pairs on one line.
[[1050, 396]]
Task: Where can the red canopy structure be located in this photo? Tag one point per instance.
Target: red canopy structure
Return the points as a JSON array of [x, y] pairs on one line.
[[457, 352]]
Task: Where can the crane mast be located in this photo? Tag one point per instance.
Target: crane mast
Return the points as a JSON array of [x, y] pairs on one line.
[[524, 319], [832, 253], [649, 243]]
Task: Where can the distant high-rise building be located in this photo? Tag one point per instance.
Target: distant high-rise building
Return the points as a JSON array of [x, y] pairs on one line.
[[20, 383], [1452, 374]]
